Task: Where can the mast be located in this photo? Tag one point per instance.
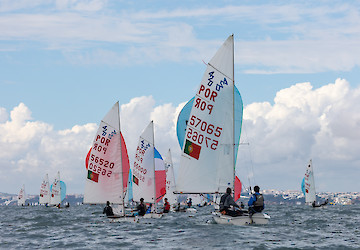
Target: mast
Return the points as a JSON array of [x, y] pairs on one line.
[[122, 172], [153, 142], [233, 107]]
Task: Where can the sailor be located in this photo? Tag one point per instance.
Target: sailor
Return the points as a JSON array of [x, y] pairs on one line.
[[141, 207], [256, 202], [166, 206], [226, 201], [189, 203], [108, 209]]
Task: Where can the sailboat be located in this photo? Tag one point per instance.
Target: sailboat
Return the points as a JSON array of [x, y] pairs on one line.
[[44, 197], [308, 186], [107, 165], [209, 148], [21, 197], [57, 191], [170, 181], [144, 173]]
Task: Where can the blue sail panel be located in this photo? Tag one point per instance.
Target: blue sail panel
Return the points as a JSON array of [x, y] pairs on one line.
[[303, 186], [184, 117]]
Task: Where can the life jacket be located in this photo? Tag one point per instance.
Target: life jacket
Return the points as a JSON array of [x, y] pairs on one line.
[[167, 206], [259, 200]]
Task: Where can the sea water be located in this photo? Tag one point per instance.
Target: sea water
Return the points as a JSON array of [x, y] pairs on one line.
[[85, 227]]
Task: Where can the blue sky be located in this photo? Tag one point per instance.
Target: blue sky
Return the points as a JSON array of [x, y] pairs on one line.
[[63, 64]]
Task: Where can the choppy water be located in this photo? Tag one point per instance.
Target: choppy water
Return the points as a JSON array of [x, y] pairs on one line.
[[84, 227]]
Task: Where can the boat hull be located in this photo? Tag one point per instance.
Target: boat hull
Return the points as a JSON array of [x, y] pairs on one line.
[[257, 219], [152, 215], [132, 219]]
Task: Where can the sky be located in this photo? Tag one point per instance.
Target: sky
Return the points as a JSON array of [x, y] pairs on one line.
[[64, 63]]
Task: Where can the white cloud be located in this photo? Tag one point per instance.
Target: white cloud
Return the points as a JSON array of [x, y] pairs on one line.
[[319, 36], [303, 123], [306, 123]]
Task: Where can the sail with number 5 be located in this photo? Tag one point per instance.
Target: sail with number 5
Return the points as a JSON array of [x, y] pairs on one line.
[[107, 163], [44, 197], [309, 183], [207, 163], [21, 197]]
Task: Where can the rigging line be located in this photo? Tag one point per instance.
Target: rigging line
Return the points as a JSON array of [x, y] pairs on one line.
[[251, 162], [231, 78]]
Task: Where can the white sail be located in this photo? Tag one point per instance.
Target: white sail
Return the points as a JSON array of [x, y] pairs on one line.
[[143, 169], [104, 180], [44, 197], [55, 198], [170, 180], [21, 197], [207, 160], [310, 195]]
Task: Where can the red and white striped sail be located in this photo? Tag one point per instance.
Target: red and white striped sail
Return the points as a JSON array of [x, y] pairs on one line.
[[106, 168], [207, 160]]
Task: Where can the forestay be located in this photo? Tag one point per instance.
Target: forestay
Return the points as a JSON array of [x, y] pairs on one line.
[[207, 160]]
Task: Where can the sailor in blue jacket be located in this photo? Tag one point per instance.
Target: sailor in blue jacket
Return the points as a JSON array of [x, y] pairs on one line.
[[256, 202]]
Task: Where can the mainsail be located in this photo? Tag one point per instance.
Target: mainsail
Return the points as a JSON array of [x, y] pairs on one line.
[[55, 198], [170, 180], [207, 163], [21, 197], [44, 197], [310, 195], [143, 171], [107, 163]]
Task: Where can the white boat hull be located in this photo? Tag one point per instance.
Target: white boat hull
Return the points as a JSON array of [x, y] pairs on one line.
[[191, 210], [257, 219], [132, 219], [152, 215]]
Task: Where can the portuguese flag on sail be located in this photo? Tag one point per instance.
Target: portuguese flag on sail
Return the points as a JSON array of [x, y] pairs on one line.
[[93, 176], [192, 149]]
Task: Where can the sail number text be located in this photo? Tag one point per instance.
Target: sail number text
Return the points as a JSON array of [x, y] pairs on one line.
[[200, 126], [99, 165]]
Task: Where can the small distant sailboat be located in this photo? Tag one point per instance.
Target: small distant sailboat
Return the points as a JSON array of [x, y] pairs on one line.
[[147, 184], [44, 197], [21, 197], [170, 181], [308, 187], [211, 138], [107, 165], [58, 191]]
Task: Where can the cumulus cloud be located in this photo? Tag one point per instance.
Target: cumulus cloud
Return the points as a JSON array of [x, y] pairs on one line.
[[303, 123]]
